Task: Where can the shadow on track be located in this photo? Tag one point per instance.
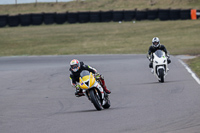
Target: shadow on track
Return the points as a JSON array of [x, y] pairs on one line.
[[92, 110], [161, 83], [82, 111]]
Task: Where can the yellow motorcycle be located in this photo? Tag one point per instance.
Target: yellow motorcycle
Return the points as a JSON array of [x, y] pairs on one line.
[[92, 88]]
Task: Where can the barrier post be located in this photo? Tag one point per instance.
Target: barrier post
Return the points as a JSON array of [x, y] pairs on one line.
[[193, 14]]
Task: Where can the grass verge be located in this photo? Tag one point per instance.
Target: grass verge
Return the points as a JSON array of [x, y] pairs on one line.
[[180, 37], [194, 64], [96, 5]]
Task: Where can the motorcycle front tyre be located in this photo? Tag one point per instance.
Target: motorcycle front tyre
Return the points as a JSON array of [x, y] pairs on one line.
[[161, 75], [95, 100]]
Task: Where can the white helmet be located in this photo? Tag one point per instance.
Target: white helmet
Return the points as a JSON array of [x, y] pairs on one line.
[[155, 42], [75, 65]]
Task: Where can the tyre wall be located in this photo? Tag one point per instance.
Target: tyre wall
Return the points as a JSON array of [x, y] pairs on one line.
[[118, 16], [163, 14], [3, 20], [141, 15], [37, 19], [129, 15], [97, 16], [13, 21], [72, 17], [61, 18], [185, 14], [106, 16], [83, 17], [152, 14], [25, 19], [174, 14], [49, 18]]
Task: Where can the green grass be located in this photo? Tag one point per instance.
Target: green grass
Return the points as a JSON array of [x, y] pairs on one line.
[[180, 37], [96, 5], [195, 65]]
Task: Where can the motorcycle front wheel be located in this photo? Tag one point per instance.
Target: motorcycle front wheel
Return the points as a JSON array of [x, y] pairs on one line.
[[161, 75], [96, 100]]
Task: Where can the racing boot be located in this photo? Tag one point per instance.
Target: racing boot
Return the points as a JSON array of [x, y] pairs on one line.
[[152, 71], [104, 87], [168, 61], [79, 93], [151, 65], [167, 69]]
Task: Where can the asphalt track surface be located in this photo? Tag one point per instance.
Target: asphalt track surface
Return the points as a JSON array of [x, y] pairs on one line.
[[36, 97]]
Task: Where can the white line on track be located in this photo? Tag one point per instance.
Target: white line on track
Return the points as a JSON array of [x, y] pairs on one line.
[[190, 71]]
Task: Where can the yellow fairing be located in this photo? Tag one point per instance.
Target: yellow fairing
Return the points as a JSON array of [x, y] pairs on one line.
[[92, 80], [85, 79], [81, 83]]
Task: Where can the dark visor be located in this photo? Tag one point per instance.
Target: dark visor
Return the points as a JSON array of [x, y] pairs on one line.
[[155, 43], [74, 66]]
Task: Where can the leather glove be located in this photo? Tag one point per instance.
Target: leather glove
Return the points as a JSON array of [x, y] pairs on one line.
[[97, 75], [77, 86], [150, 59], [168, 56]]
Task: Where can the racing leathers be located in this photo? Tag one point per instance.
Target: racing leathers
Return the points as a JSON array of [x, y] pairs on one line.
[[74, 77], [152, 50]]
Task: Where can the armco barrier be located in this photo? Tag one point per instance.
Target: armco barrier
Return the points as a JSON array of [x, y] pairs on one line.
[[49, 18], [152, 14], [129, 15], [37, 19], [13, 20], [174, 14], [163, 14], [141, 15], [60, 18], [106, 16], [25, 19], [118, 16], [95, 17], [3, 20], [83, 17], [185, 14], [72, 17]]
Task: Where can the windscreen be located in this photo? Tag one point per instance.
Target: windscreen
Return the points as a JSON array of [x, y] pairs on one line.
[[159, 53], [84, 73]]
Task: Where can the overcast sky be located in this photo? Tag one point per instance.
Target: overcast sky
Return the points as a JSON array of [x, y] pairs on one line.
[[3, 2]]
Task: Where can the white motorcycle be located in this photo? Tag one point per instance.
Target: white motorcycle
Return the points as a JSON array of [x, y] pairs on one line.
[[160, 65], [92, 88]]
